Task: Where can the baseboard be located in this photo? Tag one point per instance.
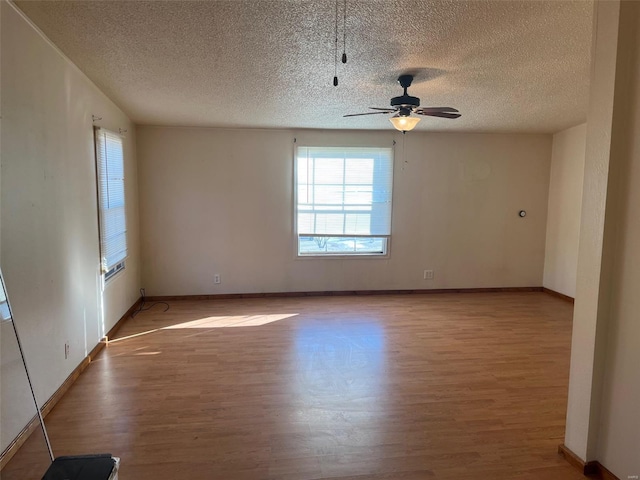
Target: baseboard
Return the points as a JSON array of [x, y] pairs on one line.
[[34, 423], [337, 293], [593, 468], [605, 474], [558, 295], [17, 442], [105, 341], [587, 468]]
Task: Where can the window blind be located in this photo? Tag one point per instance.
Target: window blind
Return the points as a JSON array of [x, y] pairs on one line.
[[111, 198], [344, 191]]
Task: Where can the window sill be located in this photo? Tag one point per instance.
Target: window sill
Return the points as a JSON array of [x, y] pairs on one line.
[[353, 256]]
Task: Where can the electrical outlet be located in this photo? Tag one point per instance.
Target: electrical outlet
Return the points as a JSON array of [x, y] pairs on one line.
[[216, 278], [428, 275], [66, 350]]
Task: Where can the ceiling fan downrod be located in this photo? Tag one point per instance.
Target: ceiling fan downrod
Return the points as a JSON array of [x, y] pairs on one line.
[[405, 102]]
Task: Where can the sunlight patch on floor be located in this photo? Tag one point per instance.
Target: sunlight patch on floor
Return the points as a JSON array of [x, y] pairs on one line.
[[232, 321], [226, 321]]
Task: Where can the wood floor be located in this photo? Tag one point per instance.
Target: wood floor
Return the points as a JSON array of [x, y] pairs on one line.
[[447, 386]]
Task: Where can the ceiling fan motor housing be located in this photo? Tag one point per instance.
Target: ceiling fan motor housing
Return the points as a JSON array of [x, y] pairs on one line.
[[405, 102]]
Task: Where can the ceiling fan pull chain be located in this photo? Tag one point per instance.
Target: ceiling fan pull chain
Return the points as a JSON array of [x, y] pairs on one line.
[[335, 54], [344, 33]]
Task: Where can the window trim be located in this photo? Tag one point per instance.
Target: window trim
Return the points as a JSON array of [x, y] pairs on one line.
[[340, 256], [115, 270], [113, 273]]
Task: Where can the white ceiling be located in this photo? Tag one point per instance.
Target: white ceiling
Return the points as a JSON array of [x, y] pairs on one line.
[[508, 66]]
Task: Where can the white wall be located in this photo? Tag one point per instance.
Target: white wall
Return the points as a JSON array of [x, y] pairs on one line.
[[592, 285], [220, 201], [565, 204], [603, 418], [49, 230], [618, 434]]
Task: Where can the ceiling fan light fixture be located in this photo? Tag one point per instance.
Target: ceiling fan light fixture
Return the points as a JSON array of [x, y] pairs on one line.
[[404, 123]]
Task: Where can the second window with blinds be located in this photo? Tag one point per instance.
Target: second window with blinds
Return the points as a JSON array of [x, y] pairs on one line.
[[111, 202], [343, 201]]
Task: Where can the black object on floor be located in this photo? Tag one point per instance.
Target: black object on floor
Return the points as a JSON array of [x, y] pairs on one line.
[[81, 467]]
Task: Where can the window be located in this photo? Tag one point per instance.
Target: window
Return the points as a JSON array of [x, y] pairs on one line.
[[111, 202], [343, 200]]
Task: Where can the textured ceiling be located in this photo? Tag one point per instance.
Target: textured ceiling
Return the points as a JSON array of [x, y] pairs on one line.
[[508, 66]]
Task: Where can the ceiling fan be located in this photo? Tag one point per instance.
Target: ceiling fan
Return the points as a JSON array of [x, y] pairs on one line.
[[404, 105]]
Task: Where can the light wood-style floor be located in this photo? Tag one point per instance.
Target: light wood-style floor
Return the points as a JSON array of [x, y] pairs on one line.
[[446, 386]]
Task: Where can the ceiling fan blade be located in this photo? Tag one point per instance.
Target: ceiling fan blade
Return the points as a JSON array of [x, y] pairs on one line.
[[383, 109], [427, 110], [368, 113], [440, 114]]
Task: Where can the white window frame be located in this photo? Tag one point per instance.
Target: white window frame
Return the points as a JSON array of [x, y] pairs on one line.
[[384, 237], [114, 271], [112, 219]]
